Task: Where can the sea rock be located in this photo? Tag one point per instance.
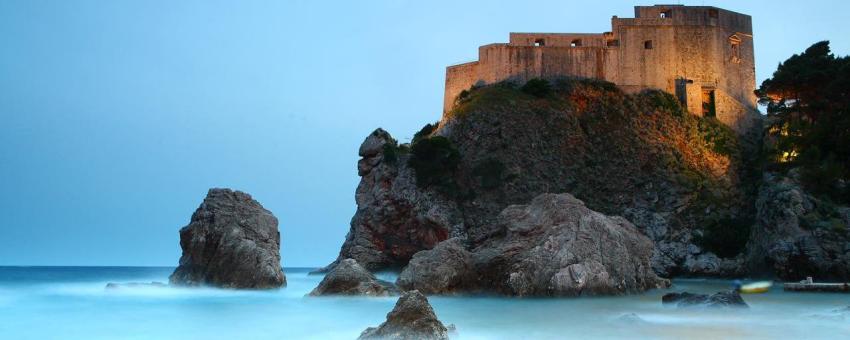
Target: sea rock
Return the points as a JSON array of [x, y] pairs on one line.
[[411, 318], [394, 219], [798, 235], [230, 242], [349, 278], [721, 299], [555, 246], [631, 318], [445, 269], [154, 284]]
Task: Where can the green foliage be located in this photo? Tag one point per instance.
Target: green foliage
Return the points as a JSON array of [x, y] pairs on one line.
[[664, 101], [808, 101], [537, 87], [725, 237], [392, 151], [490, 172], [719, 137], [425, 131], [434, 161]]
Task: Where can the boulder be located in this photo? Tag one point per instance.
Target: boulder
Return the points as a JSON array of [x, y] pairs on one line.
[[721, 299], [231, 242], [445, 269], [349, 278], [555, 246], [411, 318]]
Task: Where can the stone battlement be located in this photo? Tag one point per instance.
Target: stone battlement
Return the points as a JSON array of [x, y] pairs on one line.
[[703, 55]]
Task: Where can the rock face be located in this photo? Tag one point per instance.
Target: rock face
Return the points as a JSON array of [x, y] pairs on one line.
[[797, 235], [349, 278], [394, 218], [621, 154], [555, 246], [446, 269], [721, 299], [412, 318], [230, 242]]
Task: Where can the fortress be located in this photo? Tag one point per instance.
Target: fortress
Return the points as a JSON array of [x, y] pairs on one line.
[[703, 55]]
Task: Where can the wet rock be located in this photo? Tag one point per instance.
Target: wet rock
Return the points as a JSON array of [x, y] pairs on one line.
[[551, 247], [349, 278], [443, 270], [720, 299], [411, 318], [230, 242], [154, 284], [631, 318]]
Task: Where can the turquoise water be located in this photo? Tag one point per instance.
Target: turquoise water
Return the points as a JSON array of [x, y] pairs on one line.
[[71, 303]]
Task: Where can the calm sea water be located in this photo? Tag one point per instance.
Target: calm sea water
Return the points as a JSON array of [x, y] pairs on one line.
[[71, 303]]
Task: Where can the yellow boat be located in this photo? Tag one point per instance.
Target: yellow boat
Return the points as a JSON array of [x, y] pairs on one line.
[[756, 287]]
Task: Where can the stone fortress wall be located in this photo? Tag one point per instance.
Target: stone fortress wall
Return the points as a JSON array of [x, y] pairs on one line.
[[703, 55]]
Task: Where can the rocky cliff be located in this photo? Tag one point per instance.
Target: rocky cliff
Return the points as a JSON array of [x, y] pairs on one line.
[[677, 177]]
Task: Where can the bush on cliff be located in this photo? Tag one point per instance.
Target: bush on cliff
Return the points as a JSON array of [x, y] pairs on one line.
[[537, 87], [435, 160]]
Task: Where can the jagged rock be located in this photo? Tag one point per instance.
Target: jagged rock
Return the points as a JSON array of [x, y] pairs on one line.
[[394, 219], [721, 299], [551, 247], [411, 318], [349, 278], [445, 269], [230, 242], [154, 284], [797, 235]]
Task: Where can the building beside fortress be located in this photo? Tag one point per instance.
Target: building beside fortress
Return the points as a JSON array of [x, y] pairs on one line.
[[703, 55]]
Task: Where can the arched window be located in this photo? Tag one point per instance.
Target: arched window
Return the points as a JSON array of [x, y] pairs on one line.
[[735, 48]]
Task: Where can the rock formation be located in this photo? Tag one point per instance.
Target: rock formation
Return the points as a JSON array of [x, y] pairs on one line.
[[720, 299], [349, 278], [230, 242], [555, 246], [411, 318], [797, 235], [394, 218], [636, 156], [447, 268]]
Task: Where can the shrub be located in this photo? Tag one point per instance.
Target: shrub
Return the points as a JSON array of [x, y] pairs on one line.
[[537, 87], [490, 172], [434, 160], [664, 102], [720, 138], [425, 131]]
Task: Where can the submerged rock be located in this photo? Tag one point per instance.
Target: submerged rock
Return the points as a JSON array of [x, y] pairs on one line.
[[411, 318], [721, 299], [154, 284], [631, 318], [349, 278], [555, 246], [445, 269], [230, 242]]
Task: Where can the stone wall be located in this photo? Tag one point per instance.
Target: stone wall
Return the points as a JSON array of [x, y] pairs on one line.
[[704, 48]]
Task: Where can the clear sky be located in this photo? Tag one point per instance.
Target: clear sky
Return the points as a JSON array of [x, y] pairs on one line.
[[117, 116]]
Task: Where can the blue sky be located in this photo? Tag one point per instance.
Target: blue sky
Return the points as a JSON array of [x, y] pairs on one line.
[[117, 116]]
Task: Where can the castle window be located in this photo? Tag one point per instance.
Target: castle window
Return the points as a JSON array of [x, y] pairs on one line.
[[712, 13], [708, 104], [647, 44], [735, 49], [540, 42], [666, 14], [575, 43], [613, 43]]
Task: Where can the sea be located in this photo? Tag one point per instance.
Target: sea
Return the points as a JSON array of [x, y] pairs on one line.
[[73, 303]]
